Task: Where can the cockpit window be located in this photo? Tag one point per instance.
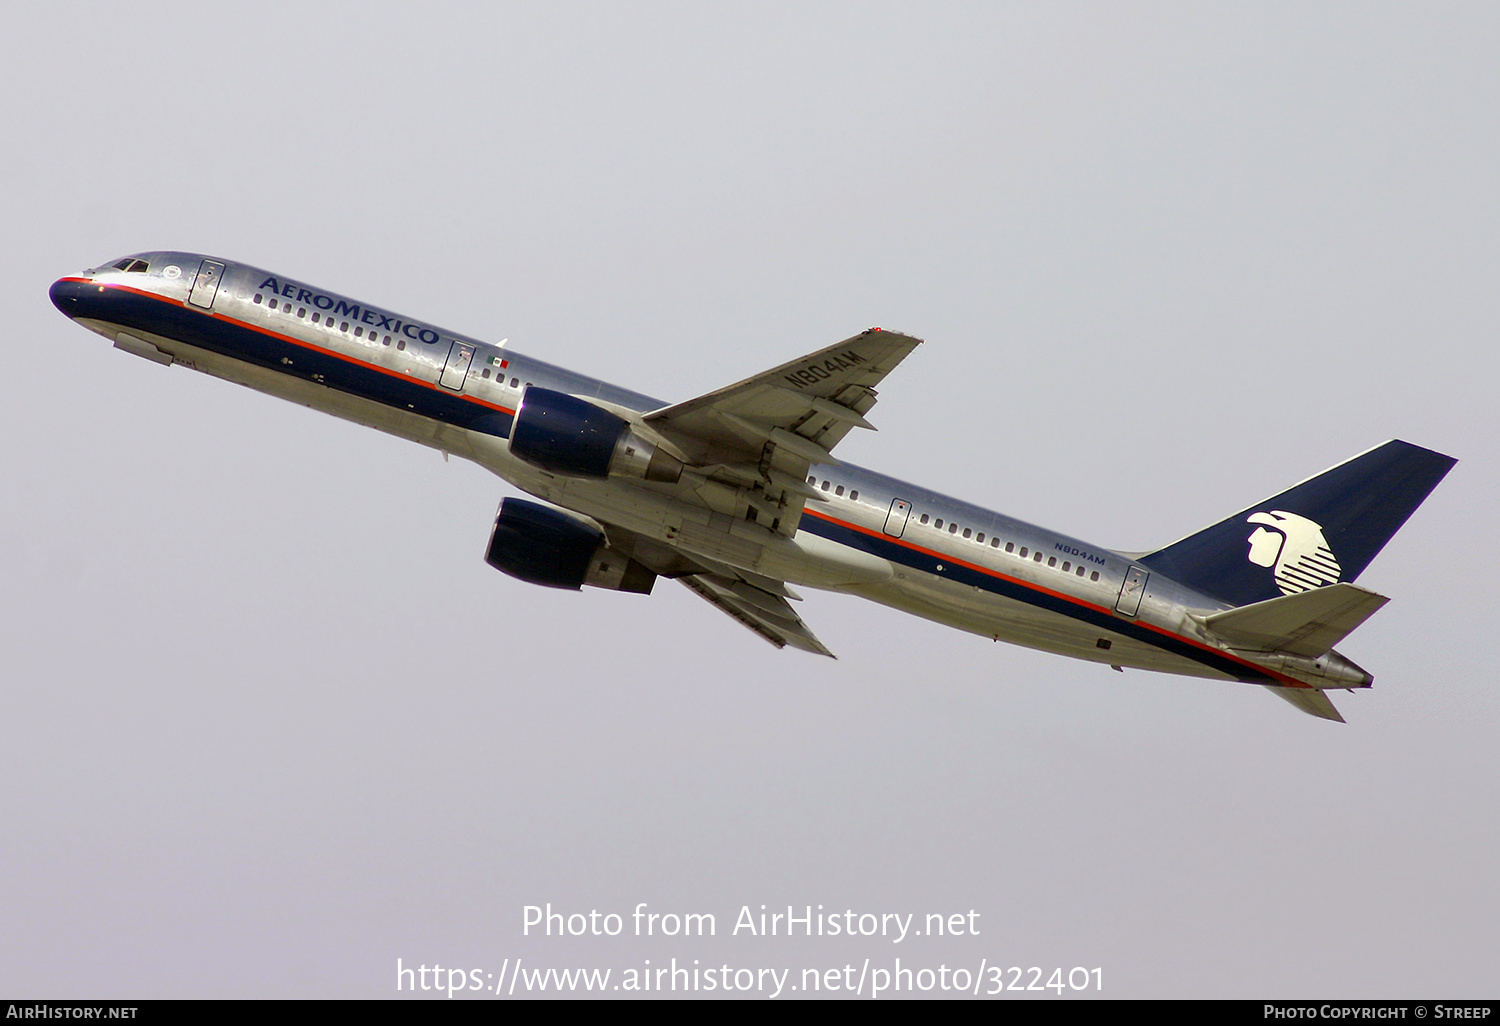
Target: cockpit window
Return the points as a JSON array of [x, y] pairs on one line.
[[121, 265], [130, 265]]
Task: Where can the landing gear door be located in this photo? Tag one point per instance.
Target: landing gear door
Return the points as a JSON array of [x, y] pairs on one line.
[[895, 520], [460, 356], [1129, 602], [206, 284]]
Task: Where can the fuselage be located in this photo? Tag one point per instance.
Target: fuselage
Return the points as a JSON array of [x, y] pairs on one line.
[[885, 540]]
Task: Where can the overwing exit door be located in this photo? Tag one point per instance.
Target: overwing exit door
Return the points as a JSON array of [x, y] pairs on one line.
[[895, 520]]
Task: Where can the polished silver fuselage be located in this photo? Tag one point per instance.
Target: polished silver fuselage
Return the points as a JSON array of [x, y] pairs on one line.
[[959, 564]]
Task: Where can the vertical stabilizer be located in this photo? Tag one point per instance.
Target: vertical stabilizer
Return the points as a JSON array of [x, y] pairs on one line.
[[1325, 530]]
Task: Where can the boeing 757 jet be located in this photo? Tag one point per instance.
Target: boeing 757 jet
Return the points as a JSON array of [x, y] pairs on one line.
[[737, 494]]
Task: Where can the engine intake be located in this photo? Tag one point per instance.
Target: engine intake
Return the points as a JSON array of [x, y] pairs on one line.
[[566, 435], [541, 545]]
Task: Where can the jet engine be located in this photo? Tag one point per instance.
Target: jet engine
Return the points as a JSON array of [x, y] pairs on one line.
[[541, 545], [571, 436]]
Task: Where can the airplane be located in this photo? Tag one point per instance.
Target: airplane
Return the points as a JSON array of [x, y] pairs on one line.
[[737, 494]]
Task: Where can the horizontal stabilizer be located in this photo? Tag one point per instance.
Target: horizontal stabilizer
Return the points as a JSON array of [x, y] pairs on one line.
[[1309, 700], [769, 615], [1308, 623]]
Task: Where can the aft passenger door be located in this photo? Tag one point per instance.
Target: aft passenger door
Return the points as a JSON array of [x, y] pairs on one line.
[[1129, 602]]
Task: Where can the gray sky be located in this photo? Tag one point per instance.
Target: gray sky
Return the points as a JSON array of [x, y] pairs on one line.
[[271, 723]]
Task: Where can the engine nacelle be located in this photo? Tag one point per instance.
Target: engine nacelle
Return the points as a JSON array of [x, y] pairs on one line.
[[566, 435], [540, 545]]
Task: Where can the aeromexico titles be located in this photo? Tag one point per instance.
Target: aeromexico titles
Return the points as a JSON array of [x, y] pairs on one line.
[[737, 495]]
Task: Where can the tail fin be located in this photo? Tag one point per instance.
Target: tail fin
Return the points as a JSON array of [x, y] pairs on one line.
[[1325, 530]]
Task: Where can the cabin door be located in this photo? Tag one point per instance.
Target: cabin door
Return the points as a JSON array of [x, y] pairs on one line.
[[460, 356], [206, 284], [1129, 602], [895, 520]]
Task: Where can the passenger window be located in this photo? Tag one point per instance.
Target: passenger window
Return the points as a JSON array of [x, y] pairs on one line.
[[839, 490], [485, 373], [1067, 566], [301, 311], [979, 537], [1052, 561], [271, 304], [1009, 546], [967, 533], [257, 297], [315, 317], [812, 480], [343, 325], [854, 493], [1037, 558], [401, 344], [1023, 552], [1094, 576], [359, 332], [952, 528], [994, 543], [924, 518], [1080, 571], [938, 523], [514, 382], [825, 486]]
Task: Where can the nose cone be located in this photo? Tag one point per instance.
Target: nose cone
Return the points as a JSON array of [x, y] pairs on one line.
[[67, 295]]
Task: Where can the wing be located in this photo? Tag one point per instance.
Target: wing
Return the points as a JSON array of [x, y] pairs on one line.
[[750, 445], [770, 616], [760, 436], [760, 603]]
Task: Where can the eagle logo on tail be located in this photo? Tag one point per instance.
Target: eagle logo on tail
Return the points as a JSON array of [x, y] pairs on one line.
[[1296, 548]]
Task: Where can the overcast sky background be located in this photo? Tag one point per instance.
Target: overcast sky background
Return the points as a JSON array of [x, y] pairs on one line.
[[271, 723]]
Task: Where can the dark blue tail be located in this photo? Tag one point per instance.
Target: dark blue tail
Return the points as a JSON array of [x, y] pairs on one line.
[[1324, 530]]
